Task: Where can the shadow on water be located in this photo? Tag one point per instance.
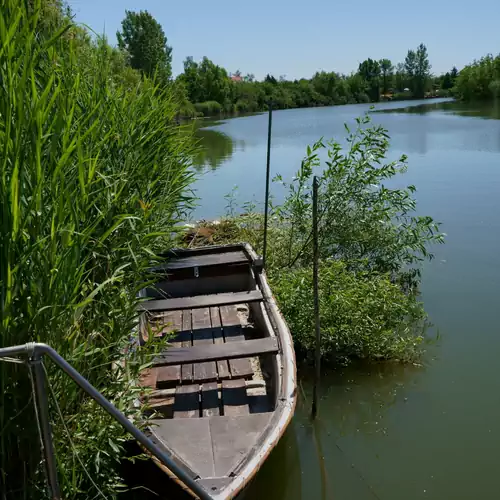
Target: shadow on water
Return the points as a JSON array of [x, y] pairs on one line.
[[482, 109], [215, 148]]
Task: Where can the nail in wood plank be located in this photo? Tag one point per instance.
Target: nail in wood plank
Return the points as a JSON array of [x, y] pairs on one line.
[[234, 397], [202, 334], [169, 376], [187, 370], [222, 366], [233, 332], [210, 400], [187, 401]]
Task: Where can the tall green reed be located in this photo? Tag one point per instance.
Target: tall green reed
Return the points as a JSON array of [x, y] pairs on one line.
[[93, 180]]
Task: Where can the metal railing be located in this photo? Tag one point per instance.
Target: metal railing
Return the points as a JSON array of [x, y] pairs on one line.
[[35, 352]]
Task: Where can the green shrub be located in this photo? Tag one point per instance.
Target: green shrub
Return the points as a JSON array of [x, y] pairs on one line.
[[402, 96], [363, 314], [209, 108], [93, 179]]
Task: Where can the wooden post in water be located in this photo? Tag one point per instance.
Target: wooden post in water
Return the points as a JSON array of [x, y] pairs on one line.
[[268, 170], [317, 361]]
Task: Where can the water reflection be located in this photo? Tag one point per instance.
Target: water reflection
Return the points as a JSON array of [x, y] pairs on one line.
[[474, 109], [215, 148], [355, 406]]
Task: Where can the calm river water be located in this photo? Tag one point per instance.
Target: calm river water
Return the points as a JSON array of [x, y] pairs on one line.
[[391, 432]]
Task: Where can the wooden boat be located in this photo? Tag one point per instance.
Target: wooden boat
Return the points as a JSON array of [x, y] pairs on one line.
[[225, 389]]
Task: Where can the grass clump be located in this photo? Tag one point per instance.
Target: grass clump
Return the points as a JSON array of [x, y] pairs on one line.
[[93, 176]]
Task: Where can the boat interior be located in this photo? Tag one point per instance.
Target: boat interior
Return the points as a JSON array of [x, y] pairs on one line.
[[215, 389]]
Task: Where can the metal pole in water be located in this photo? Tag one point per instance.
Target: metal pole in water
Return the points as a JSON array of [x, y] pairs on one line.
[[317, 362], [268, 170]]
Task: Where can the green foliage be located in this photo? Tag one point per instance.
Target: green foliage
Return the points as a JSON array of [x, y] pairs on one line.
[[363, 314], [361, 220], [208, 82], [477, 80], [422, 71], [209, 108], [205, 81], [370, 71], [93, 178], [386, 69], [143, 39]]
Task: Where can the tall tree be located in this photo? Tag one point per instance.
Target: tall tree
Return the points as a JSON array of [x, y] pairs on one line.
[[143, 38], [410, 68], [370, 71], [387, 69], [400, 77], [446, 81], [422, 70]]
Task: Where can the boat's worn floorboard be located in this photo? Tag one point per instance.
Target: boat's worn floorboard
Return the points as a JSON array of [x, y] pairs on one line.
[[234, 397], [218, 334], [187, 341], [233, 332], [213, 446], [202, 335], [187, 401], [207, 388], [168, 376]]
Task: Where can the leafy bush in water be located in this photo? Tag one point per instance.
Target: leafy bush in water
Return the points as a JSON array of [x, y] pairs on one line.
[[361, 219], [93, 176], [363, 314], [209, 108]]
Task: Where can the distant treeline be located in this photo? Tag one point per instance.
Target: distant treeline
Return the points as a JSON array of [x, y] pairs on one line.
[[208, 89]]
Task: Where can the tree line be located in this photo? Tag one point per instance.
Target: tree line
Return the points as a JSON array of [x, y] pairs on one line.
[[205, 88]]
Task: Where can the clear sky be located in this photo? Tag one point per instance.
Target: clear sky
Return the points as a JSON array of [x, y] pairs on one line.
[[296, 39]]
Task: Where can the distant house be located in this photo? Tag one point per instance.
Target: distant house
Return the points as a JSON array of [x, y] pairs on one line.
[[236, 78]]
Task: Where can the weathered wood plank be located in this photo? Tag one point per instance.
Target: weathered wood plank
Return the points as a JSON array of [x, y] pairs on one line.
[[234, 333], [234, 398], [190, 440], [187, 401], [234, 438], [147, 377], [222, 366], [202, 301], [169, 376], [203, 369], [205, 351], [210, 400], [215, 259], [187, 369]]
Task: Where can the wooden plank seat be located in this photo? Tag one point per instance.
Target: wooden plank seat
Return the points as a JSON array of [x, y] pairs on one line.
[[215, 259], [201, 301], [217, 352]]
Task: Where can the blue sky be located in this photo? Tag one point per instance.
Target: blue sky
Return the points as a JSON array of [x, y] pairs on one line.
[[297, 39]]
